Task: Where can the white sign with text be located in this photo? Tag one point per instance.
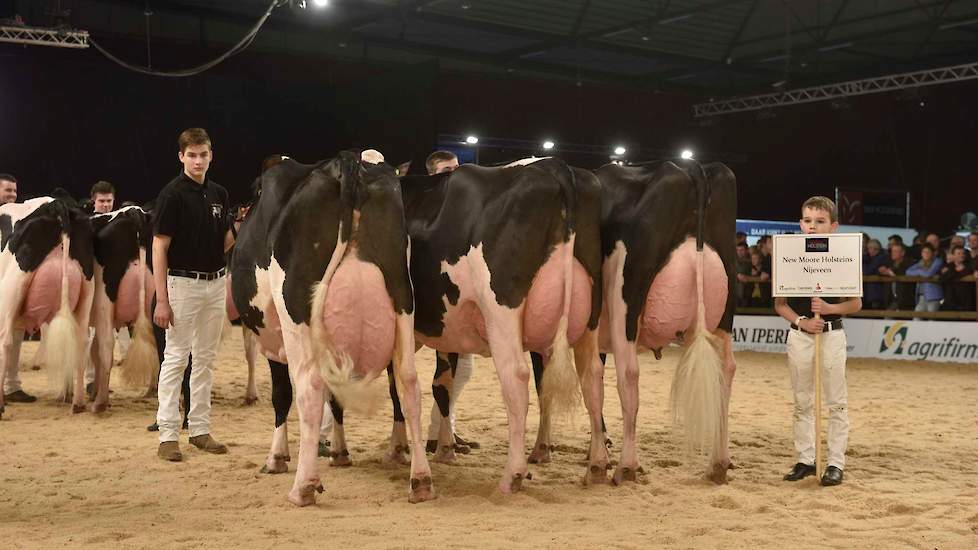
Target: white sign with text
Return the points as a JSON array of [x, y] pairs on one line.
[[824, 264]]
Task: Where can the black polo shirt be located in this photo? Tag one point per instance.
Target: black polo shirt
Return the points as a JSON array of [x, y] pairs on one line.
[[803, 306], [194, 216]]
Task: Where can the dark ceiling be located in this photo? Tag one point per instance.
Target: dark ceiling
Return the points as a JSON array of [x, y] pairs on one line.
[[705, 47]]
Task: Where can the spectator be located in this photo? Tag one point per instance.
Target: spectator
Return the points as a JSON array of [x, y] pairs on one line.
[[8, 189], [958, 295], [935, 241], [760, 293], [441, 161], [741, 238], [899, 296], [929, 295], [913, 251], [892, 240], [956, 240], [973, 248], [873, 260], [743, 271]]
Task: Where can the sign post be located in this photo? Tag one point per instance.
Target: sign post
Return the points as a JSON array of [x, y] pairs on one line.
[[820, 265]]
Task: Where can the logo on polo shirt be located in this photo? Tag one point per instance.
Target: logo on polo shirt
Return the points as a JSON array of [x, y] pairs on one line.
[[217, 210]]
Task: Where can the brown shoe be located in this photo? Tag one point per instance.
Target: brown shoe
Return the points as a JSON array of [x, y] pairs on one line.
[[208, 444], [170, 450]]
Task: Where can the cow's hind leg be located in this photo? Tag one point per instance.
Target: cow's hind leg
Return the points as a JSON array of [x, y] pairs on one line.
[[718, 470], [339, 454], [310, 393], [543, 445], [590, 370], [505, 343], [278, 455], [441, 390], [398, 450]]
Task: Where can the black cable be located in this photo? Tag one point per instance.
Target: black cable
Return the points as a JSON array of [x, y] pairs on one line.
[[239, 47]]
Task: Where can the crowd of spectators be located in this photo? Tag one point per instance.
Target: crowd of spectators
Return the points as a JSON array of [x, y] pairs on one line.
[[946, 260]]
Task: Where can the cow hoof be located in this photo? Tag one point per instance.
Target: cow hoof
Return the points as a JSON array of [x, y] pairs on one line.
[[340, 459], [77, 409], [99, 407], [718, 474], [596, 475], [421, 490], [276, 465], [305, 495], [514, 484], [445, 454], [398, 454], [249, 401], [623, 474], [540, 454]]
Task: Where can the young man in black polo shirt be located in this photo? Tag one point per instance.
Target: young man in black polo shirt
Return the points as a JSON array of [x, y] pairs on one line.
[[191, 236]]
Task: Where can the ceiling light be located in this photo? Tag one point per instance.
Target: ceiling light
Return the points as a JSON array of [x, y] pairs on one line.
[[320, 3], [548, 145], [686, 154], [471, 140], [620, 150]]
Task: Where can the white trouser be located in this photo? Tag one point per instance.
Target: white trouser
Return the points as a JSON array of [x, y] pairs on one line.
[[12, 382], [89, 365], [198, 318], [801, 357], [463, 371], [326, 429]]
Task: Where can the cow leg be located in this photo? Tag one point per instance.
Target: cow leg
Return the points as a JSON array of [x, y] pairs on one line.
[[397, 452], [310, 392], [82, 316], [339, 455], [590, 370], [441, 390], [421, 487], [278, 455], [626, 367], [250, 350], [10, 341], [102, 361], [718, 470], [543, 445], [39, 355]]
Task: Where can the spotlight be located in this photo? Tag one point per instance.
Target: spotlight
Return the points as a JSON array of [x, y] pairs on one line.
[[686, 154], [548, 145], [471, 140], [320, 3], [620, 150]]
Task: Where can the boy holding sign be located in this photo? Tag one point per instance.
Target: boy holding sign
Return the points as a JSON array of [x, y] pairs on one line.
[[818, 215]]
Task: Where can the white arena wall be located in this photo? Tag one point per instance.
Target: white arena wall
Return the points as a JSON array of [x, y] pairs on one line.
[[943, 341]]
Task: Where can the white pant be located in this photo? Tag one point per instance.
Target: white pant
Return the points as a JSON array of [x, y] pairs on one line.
[[12, 382], [801, 357], [198, 318], [463, 371]]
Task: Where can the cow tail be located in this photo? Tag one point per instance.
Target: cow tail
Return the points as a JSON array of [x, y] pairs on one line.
[[141, 363], [63, 349], [697, 395], [560, 395]]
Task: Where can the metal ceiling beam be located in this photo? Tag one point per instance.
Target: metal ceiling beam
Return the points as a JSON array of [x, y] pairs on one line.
[[937, 19], [930, 77], [33, 36], [740, 31]]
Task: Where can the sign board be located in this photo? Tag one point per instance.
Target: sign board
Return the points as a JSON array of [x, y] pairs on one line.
[[825, 264]]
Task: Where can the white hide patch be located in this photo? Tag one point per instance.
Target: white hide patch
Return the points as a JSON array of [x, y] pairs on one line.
[[524, 162], [115, 213], [372, 156]]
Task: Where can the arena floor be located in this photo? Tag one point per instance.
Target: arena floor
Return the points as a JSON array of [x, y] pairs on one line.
[[911, 480]]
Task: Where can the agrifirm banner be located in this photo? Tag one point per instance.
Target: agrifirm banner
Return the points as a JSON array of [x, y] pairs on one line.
[[943, 341]]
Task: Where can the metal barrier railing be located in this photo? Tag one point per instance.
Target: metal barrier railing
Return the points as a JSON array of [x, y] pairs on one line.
[[886, 313]]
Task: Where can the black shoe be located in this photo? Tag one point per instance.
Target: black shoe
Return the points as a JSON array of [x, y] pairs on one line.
[[323, 451], [90, 390], [431, 446], [154, 427], [832, 476], [19, 396], [185, 425], [800, 471]]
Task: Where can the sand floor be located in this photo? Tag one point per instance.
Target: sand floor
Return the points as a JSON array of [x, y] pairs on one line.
[[911, 479]]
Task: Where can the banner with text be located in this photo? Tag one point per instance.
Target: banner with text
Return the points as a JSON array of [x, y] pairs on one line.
[[943, 341]]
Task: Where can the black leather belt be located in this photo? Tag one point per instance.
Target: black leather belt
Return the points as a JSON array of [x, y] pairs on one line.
[[829, 325], [199, 275]]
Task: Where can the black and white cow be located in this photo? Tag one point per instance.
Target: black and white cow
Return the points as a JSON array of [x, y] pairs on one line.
[[124, 292], [320, 273], [669, 270], [506, 260], [46, 276]]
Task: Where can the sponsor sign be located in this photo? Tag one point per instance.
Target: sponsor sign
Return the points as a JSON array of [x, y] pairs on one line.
[[817, 265], [942, 341], [873, 207]]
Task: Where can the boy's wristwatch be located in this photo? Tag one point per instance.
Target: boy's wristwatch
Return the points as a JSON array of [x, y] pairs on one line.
[[799, 319]]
